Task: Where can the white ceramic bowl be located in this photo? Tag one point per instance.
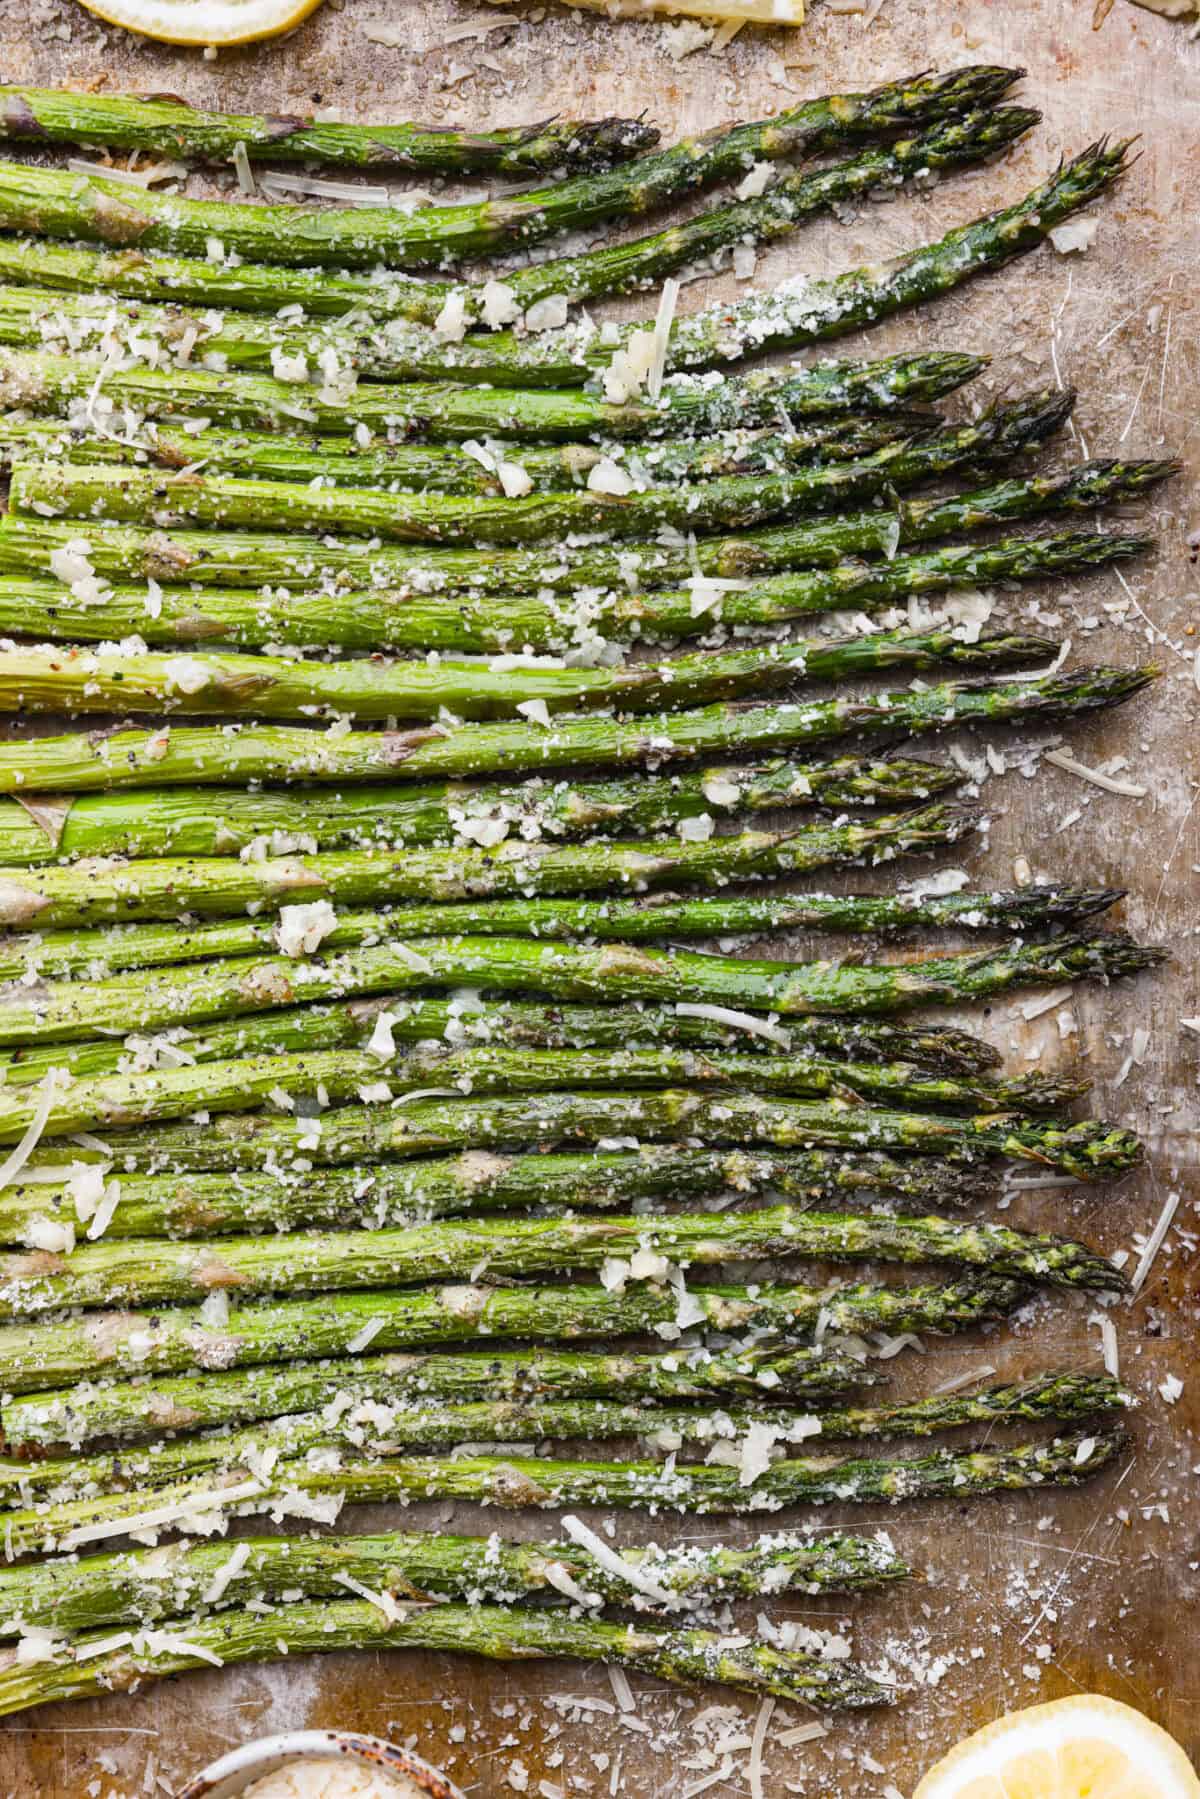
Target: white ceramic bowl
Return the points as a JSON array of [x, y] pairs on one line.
[[229, 1777]]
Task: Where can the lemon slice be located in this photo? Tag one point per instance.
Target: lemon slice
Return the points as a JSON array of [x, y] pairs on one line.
[[1086, 1747], [204, 22]]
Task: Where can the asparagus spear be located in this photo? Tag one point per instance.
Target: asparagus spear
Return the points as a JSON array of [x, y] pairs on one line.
[[138, 1586], [41, 1356], [464, 1020], [402, 1193], [786, 319], [172, 756], [538, 1481], [86, 892], [110, 950], [1089, 1150], [153, 1271], [382, 1430], [151, 496], [170, 128], [500, 1633], [225, 988], [209, 560], [742, 498], [202, 821], [342, 1075], [610, 269], [80, 680], [370, 620], [442, 410], [34, 314], [817, 309], [56, 204], [132, 1411], [444, 468]]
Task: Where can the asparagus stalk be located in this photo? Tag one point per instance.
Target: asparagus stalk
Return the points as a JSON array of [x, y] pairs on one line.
[[500, 1633], [396, 1194], [444, 468], [782, 320], [55, 204], [1090, 1150], [611, 269], [449, 410], [225, 988], [201, 821], [35, 1357], [150, 496], [821, 309], [81, 680], [137, 1586], [376, 1430], [209, 560], [87, 892], [342, 1075], [118, 949], [394, 350], [818, 309], [133, 1411], [32, 315], [171, 128], [153, 1271], [464, 1021], [498, 623], [743, 498], [171, 756], [537, 1481], [351, 1025]]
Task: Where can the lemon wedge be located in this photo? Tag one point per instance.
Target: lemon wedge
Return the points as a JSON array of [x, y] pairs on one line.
[[1085, 1747], [204, 22]]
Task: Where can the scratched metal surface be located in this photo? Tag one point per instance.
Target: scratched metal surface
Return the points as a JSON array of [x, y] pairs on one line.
[[1021, 1599]]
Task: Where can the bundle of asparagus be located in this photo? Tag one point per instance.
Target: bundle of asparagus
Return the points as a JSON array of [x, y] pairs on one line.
[[436, 1027]]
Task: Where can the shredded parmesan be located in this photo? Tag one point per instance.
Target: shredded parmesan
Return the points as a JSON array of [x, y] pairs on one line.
[[663, 321], [350, 193], [213, 1501], [245, 174], [754, 1767], [619, 1568], [302, 929], [1109, 1348], [802, 1733], [370, 1330], [20, 1154], [103, 1215], [958, 1381], [1153, 1244], [737, 1021], [214, 1592], [1046, 1002], [395, 1614], [622, 1691], [411, 958], [155, 171], [1129, 789]]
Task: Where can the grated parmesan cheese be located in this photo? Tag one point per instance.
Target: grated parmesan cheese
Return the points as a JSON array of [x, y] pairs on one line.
[[1129, 789], [301, 929], [664, 319], [615, 1564], [1109, 1347], [1154, 1244], [48, 1091], [738, 1021]]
